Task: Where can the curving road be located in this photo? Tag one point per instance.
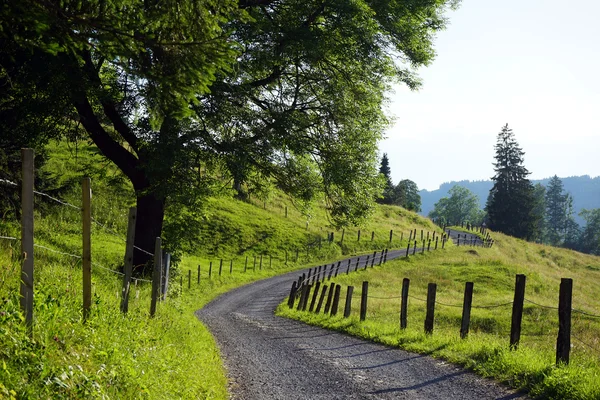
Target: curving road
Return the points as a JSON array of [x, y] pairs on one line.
[[269, 357]]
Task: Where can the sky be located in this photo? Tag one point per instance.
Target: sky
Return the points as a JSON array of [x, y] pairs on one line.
[[534, 64]]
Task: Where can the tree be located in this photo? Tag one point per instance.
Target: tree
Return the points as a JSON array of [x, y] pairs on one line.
[[172, 91], [511, 202], [406, 194], [590, 237], [556, 209], [461, 206], [388, 190], [572, 230], [539, 210]]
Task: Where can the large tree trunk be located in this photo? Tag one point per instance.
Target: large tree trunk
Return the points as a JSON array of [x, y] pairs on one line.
[[150, 215]]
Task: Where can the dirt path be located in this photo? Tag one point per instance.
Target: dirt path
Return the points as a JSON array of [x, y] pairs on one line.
[[268, 357]]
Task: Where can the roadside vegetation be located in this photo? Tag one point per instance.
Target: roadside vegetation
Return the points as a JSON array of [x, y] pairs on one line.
[[486, 349], [133, 356]]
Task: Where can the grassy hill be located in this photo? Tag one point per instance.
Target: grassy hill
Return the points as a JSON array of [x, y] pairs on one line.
[[486, 350], [133, 356]]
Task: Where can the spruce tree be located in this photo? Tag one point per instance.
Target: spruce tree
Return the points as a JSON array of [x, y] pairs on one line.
[[511, 203], [388, 190], [556, 211]]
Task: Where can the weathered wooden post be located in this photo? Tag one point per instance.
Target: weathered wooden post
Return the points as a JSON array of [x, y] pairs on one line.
[[156, 275], [391, 235], [209, 270], [321, 298], [407, 249], [314, 297], [198, 274], [292, 297], [307, 288], [466, 313], [517, 312], [348, 268], [563, 341], [87, 247], [367, 262], [128, 261], [357, 262], [230, 267], [27, 176], [404, 303], [415, 248], [329, 298], [336, 300], [436, 243], [260, 265], [189, 278], [358, 237], [372, 235], [429, 317], [343, 233], [363, 300], [348, 304], [220, 266], [428, 244]]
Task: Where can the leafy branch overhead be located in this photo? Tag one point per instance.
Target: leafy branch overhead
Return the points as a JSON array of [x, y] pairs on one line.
[[171, 91]]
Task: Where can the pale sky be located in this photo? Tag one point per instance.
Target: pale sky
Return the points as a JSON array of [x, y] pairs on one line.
[[534, 64]]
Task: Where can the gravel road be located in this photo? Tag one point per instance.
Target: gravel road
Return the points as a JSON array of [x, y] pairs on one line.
[[269, 357]]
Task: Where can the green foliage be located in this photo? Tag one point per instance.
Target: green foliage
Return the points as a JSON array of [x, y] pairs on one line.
[[590, 236], [461, 206], [169, 89], [511, 203], [406, 194], [388, 190]]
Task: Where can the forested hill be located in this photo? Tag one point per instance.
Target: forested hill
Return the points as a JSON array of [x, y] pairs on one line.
[[584, 189]]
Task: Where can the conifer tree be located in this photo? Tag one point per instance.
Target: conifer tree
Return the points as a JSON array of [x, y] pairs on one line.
[[388, 189], [556, 209], [511, 203]]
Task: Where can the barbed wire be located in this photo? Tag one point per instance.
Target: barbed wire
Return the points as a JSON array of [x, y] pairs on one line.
[[56, 251], [585, 313], [8, 182], [384, 298], [541, 305], [494, 305], [416, 298], [8, 238], [449, 305], [588, 345]]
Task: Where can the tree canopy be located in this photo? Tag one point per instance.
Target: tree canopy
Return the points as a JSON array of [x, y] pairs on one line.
[[172, 91], [461, 206]]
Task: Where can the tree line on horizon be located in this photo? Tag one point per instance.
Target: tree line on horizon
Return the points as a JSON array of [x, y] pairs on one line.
[[517, 207]]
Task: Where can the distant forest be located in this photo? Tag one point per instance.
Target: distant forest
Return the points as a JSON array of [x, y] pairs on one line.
[[584, 189]]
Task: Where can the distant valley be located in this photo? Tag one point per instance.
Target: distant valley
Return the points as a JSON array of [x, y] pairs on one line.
[[584, 189]]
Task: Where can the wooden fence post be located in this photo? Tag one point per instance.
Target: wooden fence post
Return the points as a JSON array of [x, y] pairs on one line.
[[363, 300], [391, 235], [198, 274], [415, 248], [348, 304], [302, 289], [27, 176], [367, 262], [404, 302], [358, 238], [336, 300], [260, 265], [254, 264], [373, 259], [343, 233], [286, 212], [321, 298], [329, 298], [431, 289], [189, 278], [314, 297], [230, 267], [372, 235], [423, 247], [128, 261], [436, 243], [428, 244], [337, 269], [517, 311], [348, 268], [220, 266], [357, 262], [292, 297], [156, 275], [563, 342], [307, 288], [407, 249], [209, 270], [466, 313], [87, 247]]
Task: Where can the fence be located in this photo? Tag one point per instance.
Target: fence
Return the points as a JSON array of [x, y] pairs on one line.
[[302, 290]]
